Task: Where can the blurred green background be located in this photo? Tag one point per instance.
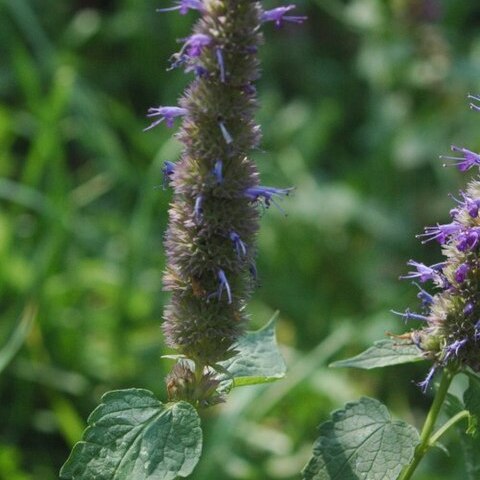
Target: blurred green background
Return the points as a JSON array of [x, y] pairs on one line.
[[356, 106]]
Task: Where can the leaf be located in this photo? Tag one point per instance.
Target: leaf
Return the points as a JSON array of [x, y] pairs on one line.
[[132, 435], [258, 359], [361, 442], [470, 441], [10, 349], [471, 397], [383, 353]]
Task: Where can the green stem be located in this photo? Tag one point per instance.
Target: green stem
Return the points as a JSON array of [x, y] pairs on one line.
[[429, 424], [456, 418]]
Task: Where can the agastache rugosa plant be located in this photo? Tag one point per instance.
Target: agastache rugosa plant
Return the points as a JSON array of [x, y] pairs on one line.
[[361, 441], [210, 245]]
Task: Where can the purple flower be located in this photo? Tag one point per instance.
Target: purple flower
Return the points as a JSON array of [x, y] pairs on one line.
[[454, 348], [408, 315], [218, 171], [194, 44], [267, 194], [423, 272], [183, 6], [468, 239], [167, 170], [278, 15], [225, 133], [198, 209], [239, 245], [424, 296], [468, 309], [425, 383], [473, 106], [440, 232], [477, 330], [223, 285], [165, 113], [466, 161], [462, 272], [221, 63]]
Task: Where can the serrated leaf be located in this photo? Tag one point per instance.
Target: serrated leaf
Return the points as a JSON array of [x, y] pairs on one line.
[[361, 442], [258, 359], [132, 435], [383, 353]]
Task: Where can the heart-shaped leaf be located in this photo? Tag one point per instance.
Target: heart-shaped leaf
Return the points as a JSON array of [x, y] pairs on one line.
[[132, 435], [361, 442]]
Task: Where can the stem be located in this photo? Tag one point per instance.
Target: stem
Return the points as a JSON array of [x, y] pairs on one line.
[[456, 418], [425, 440]]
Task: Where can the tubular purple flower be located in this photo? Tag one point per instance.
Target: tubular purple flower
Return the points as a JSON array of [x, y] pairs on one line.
[[198, 210], [278, 16], [221, 64], [408, 315], [223, 285], [240, 247], [183, 6], [424, 296], [472, 105], [165, 113], [476, 335], [468, 309], [425, 383], [468, 160], [423, 272], [267, 194], [194, 44], [225, 133], [454, 348], [468, 239], [167, 170], [218, 171], [462, 272], [441, 233]]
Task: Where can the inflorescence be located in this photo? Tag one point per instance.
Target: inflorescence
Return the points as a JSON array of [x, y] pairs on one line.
[[450, 335], [214, 215]]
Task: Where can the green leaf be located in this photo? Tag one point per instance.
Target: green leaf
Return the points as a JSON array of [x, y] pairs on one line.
[[258, 359], [383, 354], [132, 435], [361, 442], [471, 397]]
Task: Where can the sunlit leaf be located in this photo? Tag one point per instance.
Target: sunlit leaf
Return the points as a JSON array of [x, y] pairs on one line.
[[383, 354], [258, 359]]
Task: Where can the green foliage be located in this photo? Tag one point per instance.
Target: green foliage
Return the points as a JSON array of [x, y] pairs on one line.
[[133, 435], [354, 110], [361, 441], [383, 353], [258, 359]]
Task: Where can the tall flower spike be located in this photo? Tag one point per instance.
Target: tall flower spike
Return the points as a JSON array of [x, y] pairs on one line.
[[216, 188]]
